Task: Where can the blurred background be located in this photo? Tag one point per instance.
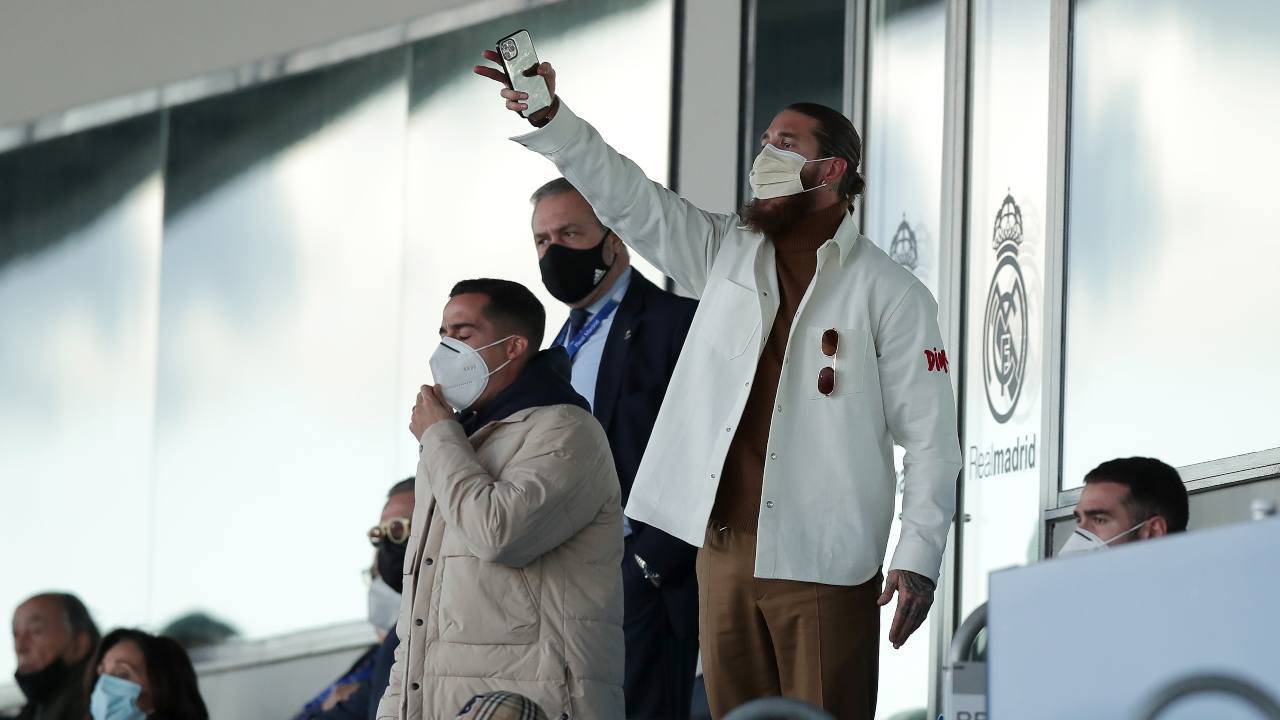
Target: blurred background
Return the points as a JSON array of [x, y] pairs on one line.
[[227, 232]]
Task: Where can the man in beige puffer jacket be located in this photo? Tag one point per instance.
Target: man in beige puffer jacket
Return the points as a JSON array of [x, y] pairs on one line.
[[511, 575]]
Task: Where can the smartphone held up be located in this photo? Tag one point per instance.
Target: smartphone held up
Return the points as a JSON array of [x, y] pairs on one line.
[[520, 62]]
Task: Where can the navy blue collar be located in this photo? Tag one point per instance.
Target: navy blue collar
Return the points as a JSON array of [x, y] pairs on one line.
[[544, 381]]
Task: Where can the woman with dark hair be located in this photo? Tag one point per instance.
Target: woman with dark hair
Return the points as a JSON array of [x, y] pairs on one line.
[[137, 675]]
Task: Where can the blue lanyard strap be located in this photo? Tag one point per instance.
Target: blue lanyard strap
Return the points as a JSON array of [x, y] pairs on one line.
[[575, 343]]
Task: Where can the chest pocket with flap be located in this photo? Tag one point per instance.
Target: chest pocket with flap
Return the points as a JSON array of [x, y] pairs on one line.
[[728, 317]]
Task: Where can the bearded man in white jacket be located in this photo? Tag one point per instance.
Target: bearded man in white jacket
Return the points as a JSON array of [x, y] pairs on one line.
[[811, 354]]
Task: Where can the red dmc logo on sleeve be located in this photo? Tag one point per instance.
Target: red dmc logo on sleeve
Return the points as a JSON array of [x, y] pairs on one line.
[[937, 360]]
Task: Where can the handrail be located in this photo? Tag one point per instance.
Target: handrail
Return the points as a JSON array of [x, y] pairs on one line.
[[962, 641], [1204, 683]]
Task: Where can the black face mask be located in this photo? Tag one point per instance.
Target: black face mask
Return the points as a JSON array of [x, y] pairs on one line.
[[569, 274], [43, 684], [390, 561]]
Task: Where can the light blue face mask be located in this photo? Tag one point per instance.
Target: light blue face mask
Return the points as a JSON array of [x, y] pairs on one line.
[[115, 698]]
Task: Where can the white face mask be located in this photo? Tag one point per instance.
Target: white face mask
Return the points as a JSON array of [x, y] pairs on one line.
[[384, 605], [460, 371], [1083, 541], [776, 173]]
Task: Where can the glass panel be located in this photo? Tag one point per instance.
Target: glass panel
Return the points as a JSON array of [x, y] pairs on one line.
[[80, 227], [1172, 296], [784, 75], [277, 415], [1004, 287], [903, 167], [469, 187], [903, 164], [1059, 531], [1232, 504]]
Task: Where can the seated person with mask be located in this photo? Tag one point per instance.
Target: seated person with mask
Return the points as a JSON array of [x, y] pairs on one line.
[[53, 637], [139, 676], [513, 573], [355, 695], [1126, 500]]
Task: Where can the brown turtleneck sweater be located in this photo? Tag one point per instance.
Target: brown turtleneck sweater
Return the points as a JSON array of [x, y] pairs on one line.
[[742, 480]]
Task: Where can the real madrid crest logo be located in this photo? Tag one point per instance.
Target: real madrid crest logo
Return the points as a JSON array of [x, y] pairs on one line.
[[1005, 329], [904, 250]]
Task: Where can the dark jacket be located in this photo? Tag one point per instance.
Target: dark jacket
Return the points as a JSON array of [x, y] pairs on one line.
[[543, 382], [363, 703], [70, 702], [640, 354], [358, 673]]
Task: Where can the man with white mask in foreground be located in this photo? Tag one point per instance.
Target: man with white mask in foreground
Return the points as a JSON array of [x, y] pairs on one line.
[[811, 354], [512, 574], [1126, 500]]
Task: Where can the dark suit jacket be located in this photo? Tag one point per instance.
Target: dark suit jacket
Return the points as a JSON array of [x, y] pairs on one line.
[[649, 329]]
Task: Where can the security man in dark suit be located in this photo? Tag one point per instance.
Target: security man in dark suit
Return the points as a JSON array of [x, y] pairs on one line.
[[624, 335]]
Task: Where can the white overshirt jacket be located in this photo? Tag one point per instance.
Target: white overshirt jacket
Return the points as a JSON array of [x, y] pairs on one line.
[[828, 496]]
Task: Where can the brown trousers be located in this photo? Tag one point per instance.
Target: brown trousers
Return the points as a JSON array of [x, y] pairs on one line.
[[812, 642]]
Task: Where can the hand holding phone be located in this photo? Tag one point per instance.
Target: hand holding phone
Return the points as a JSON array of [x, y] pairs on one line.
[[529, 85]]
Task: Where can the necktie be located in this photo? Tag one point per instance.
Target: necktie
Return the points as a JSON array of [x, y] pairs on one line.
[[577, 318]]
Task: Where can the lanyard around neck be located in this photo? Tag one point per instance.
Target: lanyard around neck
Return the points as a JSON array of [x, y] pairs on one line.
[[574, 344]]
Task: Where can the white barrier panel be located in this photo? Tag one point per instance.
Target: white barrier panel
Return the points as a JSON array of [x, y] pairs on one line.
[[1094, 636]]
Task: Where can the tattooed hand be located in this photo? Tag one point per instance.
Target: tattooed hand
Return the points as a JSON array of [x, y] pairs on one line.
[[915, 596]]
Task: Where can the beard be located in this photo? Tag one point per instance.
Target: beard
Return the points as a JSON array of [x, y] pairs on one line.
[[775, 216]]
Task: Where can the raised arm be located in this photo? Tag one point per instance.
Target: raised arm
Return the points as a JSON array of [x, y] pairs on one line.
[[680, 239]]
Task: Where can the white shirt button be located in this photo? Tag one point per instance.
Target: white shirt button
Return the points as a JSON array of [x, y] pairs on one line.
[[769, 504], [773, 456]]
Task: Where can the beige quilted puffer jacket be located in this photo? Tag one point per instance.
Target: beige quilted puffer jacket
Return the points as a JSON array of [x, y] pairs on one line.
[[512, 574]]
